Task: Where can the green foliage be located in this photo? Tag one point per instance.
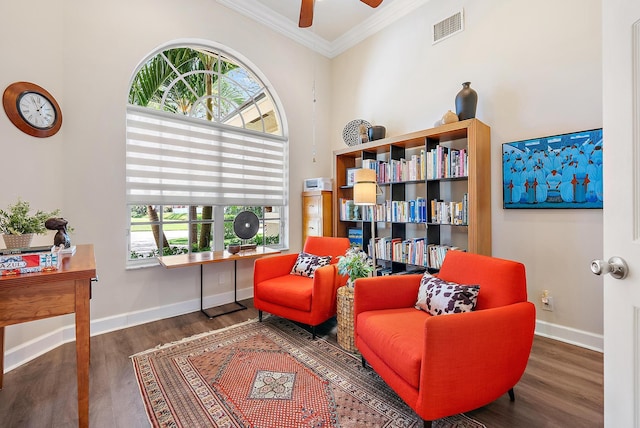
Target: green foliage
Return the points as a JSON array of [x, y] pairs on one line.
[[355, 263], [199, 73], [138, 211], [166, 251], [17, 220]]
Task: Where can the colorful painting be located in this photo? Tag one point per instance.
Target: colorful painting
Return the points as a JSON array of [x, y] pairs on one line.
[[560, 171]]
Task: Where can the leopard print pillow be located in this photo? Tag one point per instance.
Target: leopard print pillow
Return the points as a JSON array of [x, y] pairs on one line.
[[306, 264], [437, 297]]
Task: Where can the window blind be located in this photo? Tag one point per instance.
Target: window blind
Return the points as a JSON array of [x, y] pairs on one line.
[[178, 160]]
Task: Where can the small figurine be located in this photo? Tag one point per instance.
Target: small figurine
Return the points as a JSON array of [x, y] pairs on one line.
[[62, 237]]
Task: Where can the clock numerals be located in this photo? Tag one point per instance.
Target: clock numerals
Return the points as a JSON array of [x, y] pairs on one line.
[[37, 110]]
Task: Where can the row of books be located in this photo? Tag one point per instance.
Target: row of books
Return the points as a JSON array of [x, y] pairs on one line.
[[408, 251], [439, 162], [412, 211], [398, 170], [443, 162], [414, 251], [456, 213], [436, 254]]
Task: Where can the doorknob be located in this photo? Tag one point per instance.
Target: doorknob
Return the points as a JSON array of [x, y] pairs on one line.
[[616, 266]]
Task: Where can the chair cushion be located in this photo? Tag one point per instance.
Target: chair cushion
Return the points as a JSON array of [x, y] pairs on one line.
[[291, 291], [438, 297], [306, 264], [397, 337]]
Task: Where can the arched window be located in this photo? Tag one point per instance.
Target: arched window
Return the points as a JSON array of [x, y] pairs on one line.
[[205, 140]]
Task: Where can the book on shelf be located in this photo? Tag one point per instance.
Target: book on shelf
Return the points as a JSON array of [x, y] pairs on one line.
[[436, 254], [355, 237], [351, 176], [444, 162], [452, 212], [349, 211]]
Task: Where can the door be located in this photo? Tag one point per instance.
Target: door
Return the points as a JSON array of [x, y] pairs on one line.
[[621, 215]]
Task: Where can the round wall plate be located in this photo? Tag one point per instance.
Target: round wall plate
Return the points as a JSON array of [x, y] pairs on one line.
[[246, 225], [351, 132]]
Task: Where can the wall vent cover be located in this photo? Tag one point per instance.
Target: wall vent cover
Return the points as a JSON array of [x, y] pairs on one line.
[[448, 27]]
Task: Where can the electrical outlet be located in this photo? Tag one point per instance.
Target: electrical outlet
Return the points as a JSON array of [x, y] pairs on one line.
[[546, 300]]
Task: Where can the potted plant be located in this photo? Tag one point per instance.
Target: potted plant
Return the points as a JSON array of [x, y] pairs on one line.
[[18, 226], [356, 264]]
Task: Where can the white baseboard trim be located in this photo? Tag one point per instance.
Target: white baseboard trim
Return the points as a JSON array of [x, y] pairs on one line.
[[569, 335], [32, 349], [25, 352]]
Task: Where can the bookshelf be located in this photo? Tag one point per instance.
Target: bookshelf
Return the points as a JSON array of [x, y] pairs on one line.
[[435, 195]]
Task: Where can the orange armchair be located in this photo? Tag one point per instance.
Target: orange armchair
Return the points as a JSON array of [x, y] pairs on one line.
[[310, 301], [447, 364]]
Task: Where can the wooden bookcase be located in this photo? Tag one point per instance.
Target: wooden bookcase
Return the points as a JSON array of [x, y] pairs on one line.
[[399, 223]]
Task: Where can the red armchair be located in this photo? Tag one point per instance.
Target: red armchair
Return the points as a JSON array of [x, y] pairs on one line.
[[447, 364], [309, 301]]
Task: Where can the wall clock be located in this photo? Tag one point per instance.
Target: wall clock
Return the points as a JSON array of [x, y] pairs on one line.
[[32, 109]]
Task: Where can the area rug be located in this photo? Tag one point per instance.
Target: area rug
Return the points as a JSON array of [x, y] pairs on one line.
[[268, 374]]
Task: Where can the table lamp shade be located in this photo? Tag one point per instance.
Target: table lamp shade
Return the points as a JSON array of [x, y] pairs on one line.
[[364, 188]]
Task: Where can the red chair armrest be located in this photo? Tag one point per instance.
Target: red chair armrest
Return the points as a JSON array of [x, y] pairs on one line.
[[463, 354], [324, 286]]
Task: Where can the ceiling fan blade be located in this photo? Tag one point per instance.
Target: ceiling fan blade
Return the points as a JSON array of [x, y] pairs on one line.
[[372, 3], [306, 13]]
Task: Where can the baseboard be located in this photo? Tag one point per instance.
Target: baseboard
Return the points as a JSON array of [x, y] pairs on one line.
[[21, 354], [573, 336], [25, 352]]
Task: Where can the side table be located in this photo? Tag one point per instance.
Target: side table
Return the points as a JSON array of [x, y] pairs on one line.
[[346, 338]]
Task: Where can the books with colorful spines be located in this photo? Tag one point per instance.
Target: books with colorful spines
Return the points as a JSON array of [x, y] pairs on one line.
[[395, 252], [422, 209]]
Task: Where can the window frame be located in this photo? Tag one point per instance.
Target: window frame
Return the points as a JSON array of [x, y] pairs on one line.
[[217, 222]]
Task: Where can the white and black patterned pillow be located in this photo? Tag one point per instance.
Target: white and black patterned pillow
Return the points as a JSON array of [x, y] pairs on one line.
[[438, 297], [306, 264]]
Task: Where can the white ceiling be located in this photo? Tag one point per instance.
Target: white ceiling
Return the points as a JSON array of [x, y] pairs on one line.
[[337, 24]]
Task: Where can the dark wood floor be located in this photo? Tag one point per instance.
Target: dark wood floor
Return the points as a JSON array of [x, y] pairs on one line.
[[562, 387]]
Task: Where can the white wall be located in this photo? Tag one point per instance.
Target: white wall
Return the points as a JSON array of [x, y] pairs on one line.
[[537, 69], [84, 53]]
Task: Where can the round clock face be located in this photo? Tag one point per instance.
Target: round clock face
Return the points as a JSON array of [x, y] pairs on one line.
[[32, 109], [36, 109]]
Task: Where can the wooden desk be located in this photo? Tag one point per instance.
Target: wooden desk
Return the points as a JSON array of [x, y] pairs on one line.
[[34, 296], [193, 259]]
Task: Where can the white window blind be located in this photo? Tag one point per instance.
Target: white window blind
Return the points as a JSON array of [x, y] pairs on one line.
[[178, 160]]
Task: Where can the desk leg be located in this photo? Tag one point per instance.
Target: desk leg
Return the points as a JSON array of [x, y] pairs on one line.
[[83, 351], [1, 355], [235, 295]]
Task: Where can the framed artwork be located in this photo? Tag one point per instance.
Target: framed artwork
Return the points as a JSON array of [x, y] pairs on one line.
[[559, 171]]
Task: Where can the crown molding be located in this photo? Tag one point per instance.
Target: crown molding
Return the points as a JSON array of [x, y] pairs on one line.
[[375, 23], [266, 16]]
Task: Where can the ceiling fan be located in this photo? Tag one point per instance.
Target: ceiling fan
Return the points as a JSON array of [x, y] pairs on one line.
[[306, 11]]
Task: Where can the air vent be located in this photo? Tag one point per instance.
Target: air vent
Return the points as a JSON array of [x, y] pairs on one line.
[[448, 27]]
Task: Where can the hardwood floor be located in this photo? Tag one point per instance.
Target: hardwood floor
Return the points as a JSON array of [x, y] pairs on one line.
[[562, 387]]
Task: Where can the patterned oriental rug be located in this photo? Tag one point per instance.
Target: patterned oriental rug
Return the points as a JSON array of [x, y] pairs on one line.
[[268, 375]]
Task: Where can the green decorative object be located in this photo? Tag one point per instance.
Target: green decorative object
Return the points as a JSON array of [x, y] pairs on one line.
[[356, 264], [17, 220]]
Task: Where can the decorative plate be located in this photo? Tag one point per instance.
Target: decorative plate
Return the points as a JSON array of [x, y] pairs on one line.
[[351, 132]]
